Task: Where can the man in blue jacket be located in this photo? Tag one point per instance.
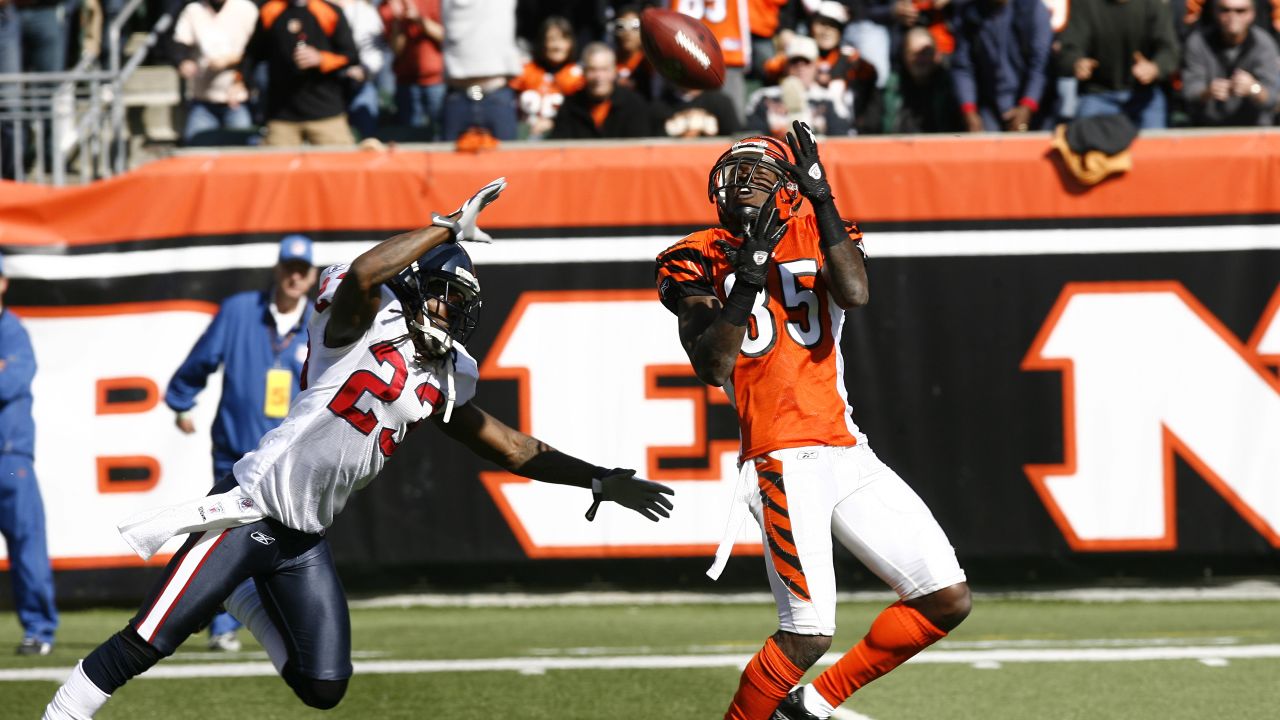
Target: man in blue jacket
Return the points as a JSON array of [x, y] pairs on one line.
[[21, 508], [260, 340], [1000, 64]]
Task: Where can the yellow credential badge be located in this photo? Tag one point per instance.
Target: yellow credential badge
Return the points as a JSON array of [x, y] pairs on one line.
[[279, 387]]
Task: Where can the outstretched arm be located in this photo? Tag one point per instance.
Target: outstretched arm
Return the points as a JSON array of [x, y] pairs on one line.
[[527, 456], [357, 299]]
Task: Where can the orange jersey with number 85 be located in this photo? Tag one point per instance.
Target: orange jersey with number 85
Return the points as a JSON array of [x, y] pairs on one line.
[[788, 382]]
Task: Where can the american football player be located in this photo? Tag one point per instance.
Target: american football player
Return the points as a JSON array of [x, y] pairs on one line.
[[760, 303], [386, 352]]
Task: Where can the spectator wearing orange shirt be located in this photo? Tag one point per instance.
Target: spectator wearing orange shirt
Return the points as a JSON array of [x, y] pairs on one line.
[[728, 21], [603, 109], [549, 77], [415, 33]]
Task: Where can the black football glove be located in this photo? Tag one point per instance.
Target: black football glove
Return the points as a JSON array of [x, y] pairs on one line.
[[750, 259], [623, 487], [808, 173]]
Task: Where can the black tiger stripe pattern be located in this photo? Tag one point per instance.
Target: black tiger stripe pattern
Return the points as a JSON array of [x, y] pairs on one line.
[[682, 271], [778, 531]]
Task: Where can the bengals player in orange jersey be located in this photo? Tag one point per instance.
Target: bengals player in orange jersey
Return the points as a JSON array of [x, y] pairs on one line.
[[760, 302]]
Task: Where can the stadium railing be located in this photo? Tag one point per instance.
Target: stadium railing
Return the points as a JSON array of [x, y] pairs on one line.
[[79, 113]]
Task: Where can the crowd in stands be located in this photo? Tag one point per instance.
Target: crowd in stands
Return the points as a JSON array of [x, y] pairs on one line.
[[285, 72]]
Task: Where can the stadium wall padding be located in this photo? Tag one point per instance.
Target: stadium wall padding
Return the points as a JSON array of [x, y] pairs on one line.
[[1060, 372]]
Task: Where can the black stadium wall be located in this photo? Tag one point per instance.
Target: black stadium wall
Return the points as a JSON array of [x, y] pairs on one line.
[[1080, 383]]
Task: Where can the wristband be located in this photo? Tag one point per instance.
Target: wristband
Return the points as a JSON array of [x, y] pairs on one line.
[[446, 222], [737, 307], [831, 230], [597, 491]]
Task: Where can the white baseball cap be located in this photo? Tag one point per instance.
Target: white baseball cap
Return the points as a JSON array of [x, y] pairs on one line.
[[834, 11], [801, 46]]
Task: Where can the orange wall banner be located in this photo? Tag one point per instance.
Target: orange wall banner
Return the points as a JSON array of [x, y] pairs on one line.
[[881, 180]]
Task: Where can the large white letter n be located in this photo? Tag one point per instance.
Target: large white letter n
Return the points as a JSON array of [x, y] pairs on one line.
[[1147, 372]]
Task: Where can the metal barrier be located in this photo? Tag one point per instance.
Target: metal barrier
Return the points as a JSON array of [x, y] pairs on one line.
[[51, 118]]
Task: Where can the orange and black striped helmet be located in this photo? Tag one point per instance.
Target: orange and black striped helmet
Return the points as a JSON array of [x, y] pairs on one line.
[[752, 164]]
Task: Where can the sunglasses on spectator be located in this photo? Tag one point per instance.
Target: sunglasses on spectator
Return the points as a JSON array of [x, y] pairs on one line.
[[633, 24], [1234, 10]]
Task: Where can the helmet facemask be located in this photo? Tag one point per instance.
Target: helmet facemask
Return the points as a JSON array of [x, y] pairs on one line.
[[743, 179], [441, 307]]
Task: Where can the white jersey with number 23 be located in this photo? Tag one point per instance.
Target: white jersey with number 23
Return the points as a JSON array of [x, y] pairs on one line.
[[359, 402]]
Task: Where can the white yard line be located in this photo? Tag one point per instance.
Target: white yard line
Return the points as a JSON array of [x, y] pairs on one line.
[[946, 644], [1213, 656]]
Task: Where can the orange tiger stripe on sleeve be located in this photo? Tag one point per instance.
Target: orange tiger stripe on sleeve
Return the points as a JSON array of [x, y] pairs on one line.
[[682, 271]]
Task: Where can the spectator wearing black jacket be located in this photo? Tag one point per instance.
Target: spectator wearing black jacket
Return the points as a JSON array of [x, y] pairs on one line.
[[688, 113], [920, 98], [312, 65], [1120, 51], [603, 109]]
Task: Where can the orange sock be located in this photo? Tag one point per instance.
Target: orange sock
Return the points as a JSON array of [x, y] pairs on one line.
[[765, 681], [898, 633]]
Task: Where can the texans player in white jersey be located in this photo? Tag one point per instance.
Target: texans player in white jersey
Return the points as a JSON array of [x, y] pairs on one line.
[[385, 353]]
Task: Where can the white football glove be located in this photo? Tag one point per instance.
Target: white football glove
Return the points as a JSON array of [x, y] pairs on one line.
[[623, 487], [470, 211]]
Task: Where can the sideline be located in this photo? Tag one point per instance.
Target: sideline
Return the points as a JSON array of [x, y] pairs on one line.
[[1213, 656]]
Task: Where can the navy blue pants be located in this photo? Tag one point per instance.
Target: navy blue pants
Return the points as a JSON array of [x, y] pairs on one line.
[[296, 581], [22, 524]]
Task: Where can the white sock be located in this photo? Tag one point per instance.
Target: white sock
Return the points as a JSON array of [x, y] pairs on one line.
[[815, 703], [77, 699], [245, 606]]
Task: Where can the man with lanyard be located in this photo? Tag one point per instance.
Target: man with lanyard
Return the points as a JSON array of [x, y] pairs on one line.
[[259, 338]]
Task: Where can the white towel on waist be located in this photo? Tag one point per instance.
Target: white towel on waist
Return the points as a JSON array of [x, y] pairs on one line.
[[148, 530], [739, 510]]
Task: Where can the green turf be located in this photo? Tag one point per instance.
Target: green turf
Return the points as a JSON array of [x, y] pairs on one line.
[[1150, 690]]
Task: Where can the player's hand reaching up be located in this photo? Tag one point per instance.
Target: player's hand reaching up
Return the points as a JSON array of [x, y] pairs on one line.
[[470, 211], [808, 172], [750, 260], [623, 487]]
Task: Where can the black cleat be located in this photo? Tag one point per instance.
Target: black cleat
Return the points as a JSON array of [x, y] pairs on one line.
[[792, 707], [34, 646]]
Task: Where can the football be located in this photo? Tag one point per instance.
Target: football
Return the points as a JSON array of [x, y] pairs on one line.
[[682, 49]]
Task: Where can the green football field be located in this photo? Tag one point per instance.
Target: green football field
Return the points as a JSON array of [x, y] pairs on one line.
[[1013, 659]]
